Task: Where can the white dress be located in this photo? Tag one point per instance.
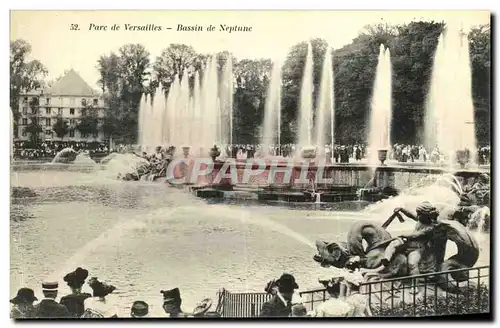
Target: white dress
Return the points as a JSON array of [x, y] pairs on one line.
[[95, 307]]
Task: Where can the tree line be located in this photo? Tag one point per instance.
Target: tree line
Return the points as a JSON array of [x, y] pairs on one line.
[[130, 72]]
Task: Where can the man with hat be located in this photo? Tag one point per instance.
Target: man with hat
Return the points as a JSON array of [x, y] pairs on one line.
[[23, 304], [280, 305], [140, 309], [172, 303], [48, 307]]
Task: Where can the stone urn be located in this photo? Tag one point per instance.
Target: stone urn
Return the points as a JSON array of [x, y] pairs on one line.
[[214, 153], [382, 155], [308, 152], [462, 157], [185, 151]]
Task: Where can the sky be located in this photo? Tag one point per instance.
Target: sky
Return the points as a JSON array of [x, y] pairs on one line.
[[272, 35]]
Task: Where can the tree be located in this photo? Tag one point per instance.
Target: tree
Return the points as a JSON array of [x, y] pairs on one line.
[[60, 127], [89, 123], [25, 75], [173, 61], [34, 129], [252, 79], [108, 66], [122, 78], [480, 55]]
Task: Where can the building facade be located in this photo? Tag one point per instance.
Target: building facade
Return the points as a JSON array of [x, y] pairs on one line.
[[69, 99]]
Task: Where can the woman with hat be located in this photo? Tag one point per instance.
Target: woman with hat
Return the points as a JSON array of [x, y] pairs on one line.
[[74, 302], [280, 305], [23, 304], [100, 305]]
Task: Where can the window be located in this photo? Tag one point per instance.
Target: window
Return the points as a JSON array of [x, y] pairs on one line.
[[95, 134], [25, 110], [84, 112], [72, 111], [72, 121], [96, 101], [71, 133], [61, 101], [59, 111], [47, 121], [85, 134], [25, 100], [84, 102], [34, 121], [25, 133], [25, 121], [47, 101], [34, 111], [47, 111]]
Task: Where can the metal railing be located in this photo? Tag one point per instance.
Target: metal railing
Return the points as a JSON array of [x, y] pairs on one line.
[[420, 295], [431, 294]]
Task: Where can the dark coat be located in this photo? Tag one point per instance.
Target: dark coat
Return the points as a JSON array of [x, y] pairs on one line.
[[75, 303], [48, 308], [275, 308]]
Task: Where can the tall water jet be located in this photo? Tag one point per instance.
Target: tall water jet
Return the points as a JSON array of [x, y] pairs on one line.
[[141, 117], [197, 133], [155, 122], [209, 94], [196, 118], [170, 113], [226, 101], [305, 111], [325, 112], [449, 115], [272, 110], [183, 122], [381, 106]]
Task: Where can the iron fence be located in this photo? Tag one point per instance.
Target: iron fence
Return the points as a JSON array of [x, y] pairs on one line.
[[420, 295]]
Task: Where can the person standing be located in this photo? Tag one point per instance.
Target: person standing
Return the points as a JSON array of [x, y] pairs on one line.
[[100, 306], [280, 305], [75, 301], [334, 306], [23, 304], [172, 303], [48, 307]]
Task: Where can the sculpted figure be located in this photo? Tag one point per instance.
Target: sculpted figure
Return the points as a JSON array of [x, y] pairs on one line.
[[421, 251]]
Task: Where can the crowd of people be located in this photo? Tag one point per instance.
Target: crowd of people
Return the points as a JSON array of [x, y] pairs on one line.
[[341, 153], [411, 153], [344, 300], [100, 304], [48, 149]]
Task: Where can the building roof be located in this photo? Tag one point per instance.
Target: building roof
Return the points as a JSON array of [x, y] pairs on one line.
[[71, 84]]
